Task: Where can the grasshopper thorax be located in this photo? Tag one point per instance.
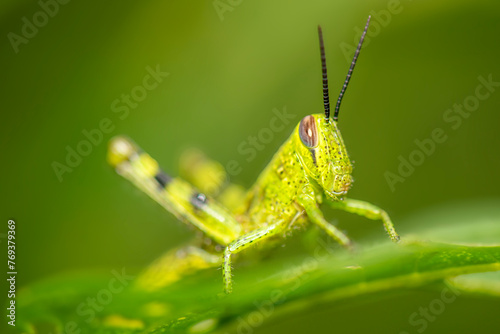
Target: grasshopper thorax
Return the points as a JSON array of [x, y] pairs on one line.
[[322, 153]]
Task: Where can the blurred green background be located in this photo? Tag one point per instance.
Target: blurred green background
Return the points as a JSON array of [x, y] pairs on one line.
[[225, 78]]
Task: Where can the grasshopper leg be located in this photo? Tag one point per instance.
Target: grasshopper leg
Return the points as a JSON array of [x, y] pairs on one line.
[[246, 241], [174, 265], [209, 176], [177, 196], [369, 211], [316, 216]]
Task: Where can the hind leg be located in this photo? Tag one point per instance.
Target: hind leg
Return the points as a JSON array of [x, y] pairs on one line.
[[176, 264], [210, 177]]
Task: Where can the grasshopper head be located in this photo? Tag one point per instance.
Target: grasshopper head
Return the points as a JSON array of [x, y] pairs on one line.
[[323, 155], [321, 149]]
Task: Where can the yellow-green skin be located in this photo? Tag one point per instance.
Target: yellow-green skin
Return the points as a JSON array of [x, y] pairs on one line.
[[310, 168], [293, 170]]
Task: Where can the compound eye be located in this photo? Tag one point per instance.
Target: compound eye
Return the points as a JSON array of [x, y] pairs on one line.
[[307, 132]]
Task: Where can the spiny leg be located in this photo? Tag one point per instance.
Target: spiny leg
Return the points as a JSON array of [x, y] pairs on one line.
[[316, 216], [174, 265], [243, 242], [369, 211]]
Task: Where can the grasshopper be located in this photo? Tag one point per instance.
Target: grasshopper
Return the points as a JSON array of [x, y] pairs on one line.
[[310, 168]]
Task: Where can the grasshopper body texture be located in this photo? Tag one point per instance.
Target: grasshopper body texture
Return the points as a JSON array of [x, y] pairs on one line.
[[312, 167]]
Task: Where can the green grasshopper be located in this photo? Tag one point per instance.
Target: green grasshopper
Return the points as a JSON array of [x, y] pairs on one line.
[[310, 168]]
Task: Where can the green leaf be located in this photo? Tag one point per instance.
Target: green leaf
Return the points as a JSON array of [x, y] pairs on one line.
[[196, 304], [110, 303], [481, 284]]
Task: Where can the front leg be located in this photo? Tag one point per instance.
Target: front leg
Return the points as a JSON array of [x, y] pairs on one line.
[[367, 210], [243, 242], [308, 202]]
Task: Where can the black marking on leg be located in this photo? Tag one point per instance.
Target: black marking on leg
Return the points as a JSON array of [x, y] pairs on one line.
[[162, 178], [313, 153], [198, 200]]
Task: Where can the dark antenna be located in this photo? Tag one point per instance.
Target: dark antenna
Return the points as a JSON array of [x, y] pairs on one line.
[[326, 100], [346, 82]]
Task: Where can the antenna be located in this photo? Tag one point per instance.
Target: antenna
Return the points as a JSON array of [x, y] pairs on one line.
[[326, 100], [346, 82]]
